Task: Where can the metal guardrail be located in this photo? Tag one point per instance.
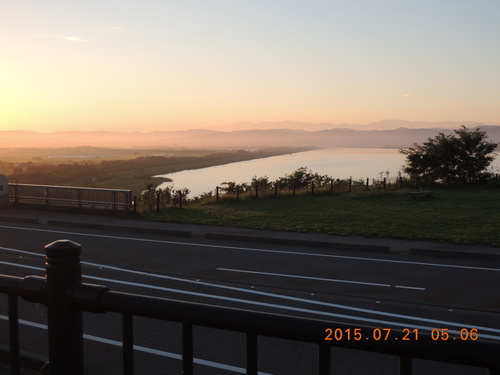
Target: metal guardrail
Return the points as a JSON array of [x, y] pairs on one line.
[[66, 298], [65, 196]]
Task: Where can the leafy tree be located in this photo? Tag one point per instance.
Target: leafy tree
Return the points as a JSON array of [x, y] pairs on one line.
[[228, 187], [455, 158]]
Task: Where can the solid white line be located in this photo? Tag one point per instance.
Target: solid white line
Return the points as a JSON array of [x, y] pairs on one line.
[[144, 349], [255, 249], [304, 277], [408, 287], [378, 322], [22, 266]]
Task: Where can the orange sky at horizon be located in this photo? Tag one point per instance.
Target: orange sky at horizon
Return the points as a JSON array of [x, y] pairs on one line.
[[176, 66]]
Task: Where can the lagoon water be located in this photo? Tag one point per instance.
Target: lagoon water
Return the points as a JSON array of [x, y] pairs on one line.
[[360, 163]]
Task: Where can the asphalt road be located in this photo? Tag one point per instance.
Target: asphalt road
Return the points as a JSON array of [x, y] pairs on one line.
[[388, 291]]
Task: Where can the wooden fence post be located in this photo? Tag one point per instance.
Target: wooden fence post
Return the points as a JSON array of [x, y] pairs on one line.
[[217, 194], [180, 199], [312, 187], [367, 183], [237, 192], [350, 184], [384, 183]]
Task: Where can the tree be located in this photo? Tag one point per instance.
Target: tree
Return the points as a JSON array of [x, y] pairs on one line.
[[459, 158]]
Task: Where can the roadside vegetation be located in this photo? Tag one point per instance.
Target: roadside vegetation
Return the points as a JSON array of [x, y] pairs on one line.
[[114, 168], [464, 206], [460, 214]]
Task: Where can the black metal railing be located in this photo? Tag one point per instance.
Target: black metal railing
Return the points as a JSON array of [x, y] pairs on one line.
[[65, 196], [66, 297]]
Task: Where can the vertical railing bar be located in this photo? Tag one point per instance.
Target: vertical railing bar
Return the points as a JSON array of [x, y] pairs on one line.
[[187, 348], [15, 368], [128, 344], [405, 366], [252, 354], [324, 359]]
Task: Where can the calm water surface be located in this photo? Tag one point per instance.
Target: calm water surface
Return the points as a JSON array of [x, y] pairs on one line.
[[336, 162]]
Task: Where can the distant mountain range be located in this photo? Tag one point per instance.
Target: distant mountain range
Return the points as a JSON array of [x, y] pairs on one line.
[[401, 137], [379, 125]]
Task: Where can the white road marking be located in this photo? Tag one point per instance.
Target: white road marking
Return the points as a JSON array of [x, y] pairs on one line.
[[254, 249], [304, 277], [377, 322], [144, 349], [408, 287]]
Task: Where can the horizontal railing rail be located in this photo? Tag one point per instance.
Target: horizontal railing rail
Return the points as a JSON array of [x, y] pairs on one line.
[[66, 196], [66, 297]]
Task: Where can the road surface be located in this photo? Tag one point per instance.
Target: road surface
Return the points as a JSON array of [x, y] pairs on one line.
[[388, 291]]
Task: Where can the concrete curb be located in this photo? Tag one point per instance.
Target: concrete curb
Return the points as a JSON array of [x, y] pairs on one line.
[[120, 228], [289, 241], [211, 233], [454, 254], [19, 220]]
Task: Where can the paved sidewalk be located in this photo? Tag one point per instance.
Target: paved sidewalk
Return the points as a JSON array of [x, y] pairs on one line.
[[115, 223]]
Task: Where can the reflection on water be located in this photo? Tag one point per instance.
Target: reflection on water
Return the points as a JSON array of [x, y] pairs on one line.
[[336, 162]]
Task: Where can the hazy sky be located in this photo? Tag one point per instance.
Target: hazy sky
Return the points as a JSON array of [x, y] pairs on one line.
[[161, 64]]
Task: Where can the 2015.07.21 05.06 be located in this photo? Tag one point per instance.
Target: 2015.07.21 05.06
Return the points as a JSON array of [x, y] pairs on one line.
[[407, 334]]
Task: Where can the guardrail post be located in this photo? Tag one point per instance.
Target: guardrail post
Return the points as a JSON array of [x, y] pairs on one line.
[[15, 368], [252, 354], [79, 198], [16, 195], [64, 322], [46, 196]]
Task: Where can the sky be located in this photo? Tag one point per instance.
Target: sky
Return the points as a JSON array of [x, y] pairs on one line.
[[171, 65]]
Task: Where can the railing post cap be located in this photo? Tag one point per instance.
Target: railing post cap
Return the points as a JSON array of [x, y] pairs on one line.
[[63, 249]]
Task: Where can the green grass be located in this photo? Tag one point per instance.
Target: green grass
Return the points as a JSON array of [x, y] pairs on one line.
[[456, 215]]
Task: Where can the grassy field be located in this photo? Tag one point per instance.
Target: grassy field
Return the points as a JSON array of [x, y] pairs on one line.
[[461, 215]]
